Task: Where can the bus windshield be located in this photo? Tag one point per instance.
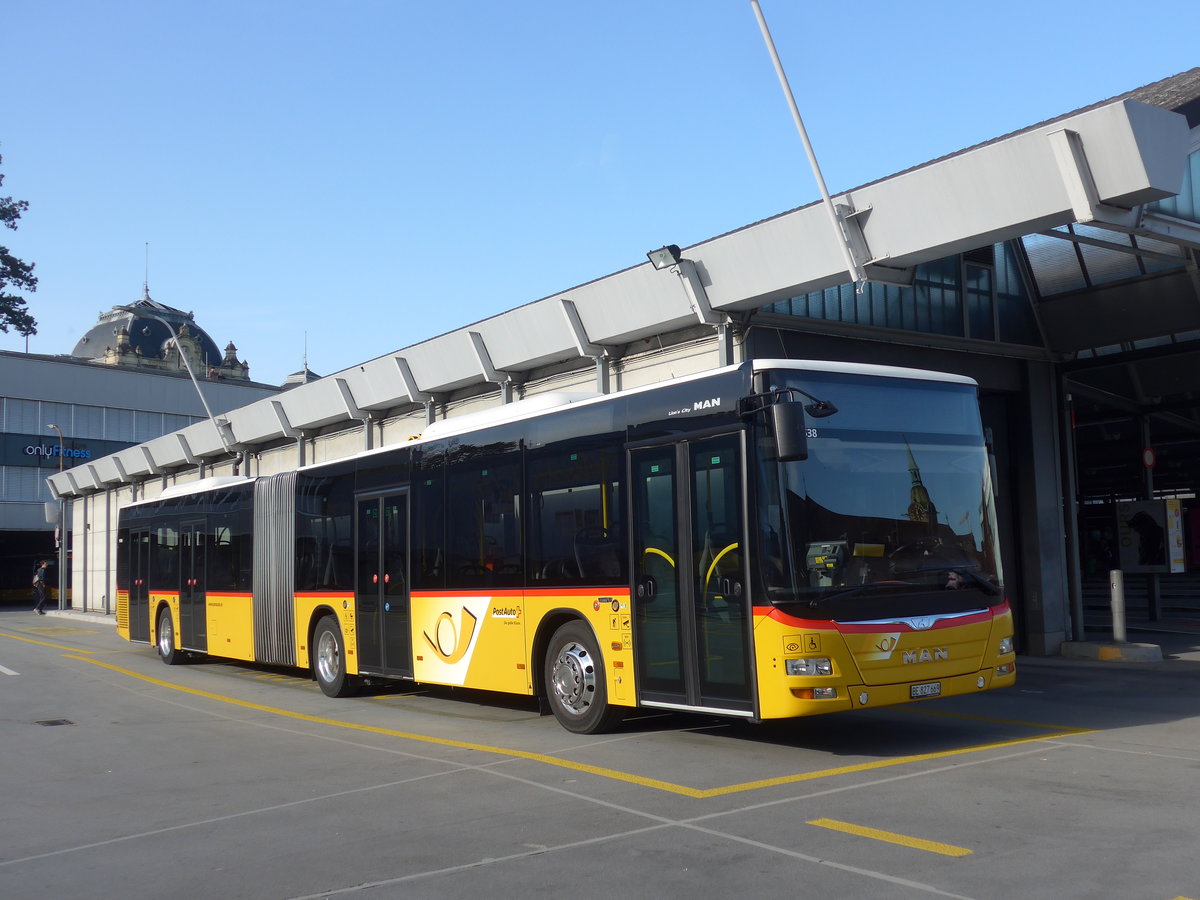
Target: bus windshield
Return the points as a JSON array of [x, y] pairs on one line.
[[893, 503]]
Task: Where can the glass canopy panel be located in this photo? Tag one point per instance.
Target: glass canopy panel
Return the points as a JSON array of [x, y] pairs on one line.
[[1104, 265], [1159, 265], [1055, 264]]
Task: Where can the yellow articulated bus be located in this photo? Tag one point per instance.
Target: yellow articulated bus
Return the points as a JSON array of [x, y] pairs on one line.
[[773, 539]]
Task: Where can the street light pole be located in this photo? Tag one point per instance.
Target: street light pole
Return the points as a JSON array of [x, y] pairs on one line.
[[61, 537], [187, 365], [62, 445], [856, 271]]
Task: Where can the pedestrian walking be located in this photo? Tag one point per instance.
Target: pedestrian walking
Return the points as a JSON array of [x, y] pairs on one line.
[[39, 587]]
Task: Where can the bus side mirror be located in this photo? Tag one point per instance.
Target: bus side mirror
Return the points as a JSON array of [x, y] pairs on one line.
[[791, 438]]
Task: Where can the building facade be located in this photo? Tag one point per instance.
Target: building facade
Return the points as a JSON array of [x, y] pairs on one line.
[[60, 412]]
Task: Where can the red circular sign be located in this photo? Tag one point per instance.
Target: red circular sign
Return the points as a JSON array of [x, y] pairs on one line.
[[1148, 458]]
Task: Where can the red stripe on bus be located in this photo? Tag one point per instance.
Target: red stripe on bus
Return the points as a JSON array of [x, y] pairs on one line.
[[590, 593], [770, 612]]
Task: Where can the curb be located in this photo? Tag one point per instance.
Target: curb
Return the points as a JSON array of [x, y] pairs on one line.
[[95, 618], [1110, 651]]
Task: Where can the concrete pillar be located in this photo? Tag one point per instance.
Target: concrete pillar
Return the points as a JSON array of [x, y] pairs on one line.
[[1040, 509]]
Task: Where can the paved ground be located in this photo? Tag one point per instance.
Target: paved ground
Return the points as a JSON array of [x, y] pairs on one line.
[[218, 780]]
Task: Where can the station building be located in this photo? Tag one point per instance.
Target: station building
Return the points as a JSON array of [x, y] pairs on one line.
[[1057, 266], [124, 382]]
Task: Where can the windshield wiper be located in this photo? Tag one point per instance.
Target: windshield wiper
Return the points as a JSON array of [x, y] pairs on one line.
[[814, 597], [968, 570], [822, 599]]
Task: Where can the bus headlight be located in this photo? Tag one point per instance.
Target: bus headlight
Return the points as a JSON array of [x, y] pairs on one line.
[[809, 667], [1006, 646]]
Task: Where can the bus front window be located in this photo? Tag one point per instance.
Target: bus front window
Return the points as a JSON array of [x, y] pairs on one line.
[[893, 503]]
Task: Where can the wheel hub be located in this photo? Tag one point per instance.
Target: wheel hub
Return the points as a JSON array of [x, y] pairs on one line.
[[327, 657], [574, 678], [166, 636]]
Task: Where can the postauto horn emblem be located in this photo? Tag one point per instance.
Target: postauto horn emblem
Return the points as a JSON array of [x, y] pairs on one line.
[[450, 643]]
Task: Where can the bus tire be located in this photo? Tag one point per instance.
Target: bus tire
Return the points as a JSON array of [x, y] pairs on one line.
[[165, 639], [576, 686], [329, 660]]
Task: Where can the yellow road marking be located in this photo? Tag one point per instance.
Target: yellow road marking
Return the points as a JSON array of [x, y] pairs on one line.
[[59, 630], [17, 637], [389, 732], [599, 771], [892, 837], [885, 763], [955, 715]]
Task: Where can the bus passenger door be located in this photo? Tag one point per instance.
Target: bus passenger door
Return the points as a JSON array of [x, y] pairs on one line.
[[139, 590], [691, 620], [193, 619], [381, 545]]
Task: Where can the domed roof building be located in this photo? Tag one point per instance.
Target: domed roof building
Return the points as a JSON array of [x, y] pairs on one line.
[[137, 336]]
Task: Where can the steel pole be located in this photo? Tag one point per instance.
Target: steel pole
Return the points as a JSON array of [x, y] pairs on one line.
[[855, 271], [62, 526], [187, 365], [1116, 586]]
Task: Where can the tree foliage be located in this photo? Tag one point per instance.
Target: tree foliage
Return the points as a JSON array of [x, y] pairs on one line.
[[15, 273]]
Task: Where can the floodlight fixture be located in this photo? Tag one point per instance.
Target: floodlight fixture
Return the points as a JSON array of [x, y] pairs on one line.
[[665, 257]]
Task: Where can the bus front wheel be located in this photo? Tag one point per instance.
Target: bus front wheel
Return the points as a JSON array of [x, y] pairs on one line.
[[329, 660], [575, 682]]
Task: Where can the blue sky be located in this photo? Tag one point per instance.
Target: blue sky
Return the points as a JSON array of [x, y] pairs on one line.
[[377, 173]]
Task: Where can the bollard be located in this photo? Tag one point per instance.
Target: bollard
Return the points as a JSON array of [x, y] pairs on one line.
[[1116, 585]]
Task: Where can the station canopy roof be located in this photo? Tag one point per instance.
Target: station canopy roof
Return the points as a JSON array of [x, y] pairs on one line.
[[1078, 189]]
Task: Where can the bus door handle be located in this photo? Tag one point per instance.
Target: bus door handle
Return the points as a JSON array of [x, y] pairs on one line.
[[647, 588], [730, 587]]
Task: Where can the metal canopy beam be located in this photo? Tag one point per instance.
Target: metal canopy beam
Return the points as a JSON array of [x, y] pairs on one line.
[[415, 394], [490, 373], [352, 410], [188, 456], [285, 424], [578, 332], [151, 465], [1109, 245], [1081, 184]]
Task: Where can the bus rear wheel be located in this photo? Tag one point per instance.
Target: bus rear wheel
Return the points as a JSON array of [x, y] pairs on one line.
[[329, 660], [575, 682], [165, 643]]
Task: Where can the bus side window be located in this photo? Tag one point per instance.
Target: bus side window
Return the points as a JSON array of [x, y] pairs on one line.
[[576, 514], [428, 564], [484, 546]]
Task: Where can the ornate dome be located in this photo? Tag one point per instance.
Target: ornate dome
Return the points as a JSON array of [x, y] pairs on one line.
[[134, 336]]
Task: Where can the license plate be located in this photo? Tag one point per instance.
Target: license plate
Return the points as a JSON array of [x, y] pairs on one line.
[[933, 689]]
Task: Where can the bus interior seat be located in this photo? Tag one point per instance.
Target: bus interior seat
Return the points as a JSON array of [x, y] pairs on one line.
[[596, 553]]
